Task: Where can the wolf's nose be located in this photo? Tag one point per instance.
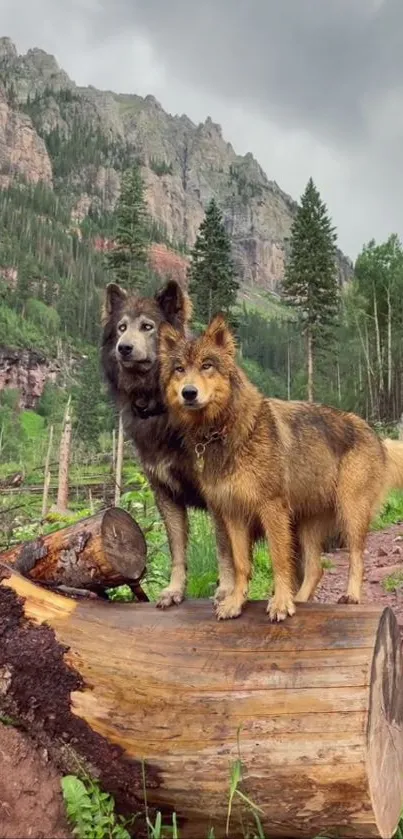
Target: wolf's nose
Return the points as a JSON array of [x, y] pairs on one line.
[[125, 349], [189, 393]]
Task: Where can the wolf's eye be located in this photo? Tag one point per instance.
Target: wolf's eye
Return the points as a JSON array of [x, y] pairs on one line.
[[122, 327], [207, 365], [179, 369], [147, 327]]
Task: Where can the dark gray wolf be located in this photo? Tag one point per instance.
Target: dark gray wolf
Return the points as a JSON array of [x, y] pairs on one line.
[[129, 357]]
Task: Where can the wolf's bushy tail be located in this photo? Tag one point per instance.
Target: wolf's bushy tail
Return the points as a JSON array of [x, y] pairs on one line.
[[394, 463]]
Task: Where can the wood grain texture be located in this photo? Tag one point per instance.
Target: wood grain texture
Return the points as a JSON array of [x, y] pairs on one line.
[[317, 702]]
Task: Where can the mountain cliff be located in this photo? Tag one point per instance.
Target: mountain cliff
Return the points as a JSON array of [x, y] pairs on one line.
[[77, 140]]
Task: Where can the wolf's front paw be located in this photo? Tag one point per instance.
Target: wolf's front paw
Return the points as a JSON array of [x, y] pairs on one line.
[[280, 606], [170, 597], [348, 598], [221, 592], [229, 607]]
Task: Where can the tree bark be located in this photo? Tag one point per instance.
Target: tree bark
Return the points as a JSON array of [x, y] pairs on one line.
[[389, 347], [46, 480], [378, 343], [338, 381], [99, 552], [316, 704], [113, 451], [64, 459], [365, 347], [119, 463]]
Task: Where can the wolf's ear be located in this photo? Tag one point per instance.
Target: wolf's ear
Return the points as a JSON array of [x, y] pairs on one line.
[[174, 303], [219, 332], [168, 338], [114, 297]]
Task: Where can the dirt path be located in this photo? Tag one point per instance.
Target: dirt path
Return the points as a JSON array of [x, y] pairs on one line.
[[383, 557]]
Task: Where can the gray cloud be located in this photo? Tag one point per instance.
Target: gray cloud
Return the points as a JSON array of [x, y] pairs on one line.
[[312, 63], [310, 86]]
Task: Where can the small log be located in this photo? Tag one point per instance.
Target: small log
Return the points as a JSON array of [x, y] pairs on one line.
[[316, 703], [102, 551]]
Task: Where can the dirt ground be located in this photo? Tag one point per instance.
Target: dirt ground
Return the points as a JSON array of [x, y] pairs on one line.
[[31, 805], [383, 557]]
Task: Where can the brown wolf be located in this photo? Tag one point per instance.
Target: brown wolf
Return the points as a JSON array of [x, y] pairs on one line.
[[130, 365], [274, 464]]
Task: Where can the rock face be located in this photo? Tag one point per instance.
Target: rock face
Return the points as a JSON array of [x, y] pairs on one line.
[[184, 165], [22, 152], [26, 371], [169, 264]]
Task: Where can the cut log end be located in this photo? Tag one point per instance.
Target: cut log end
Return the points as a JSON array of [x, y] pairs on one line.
[[124, 544], [385, 727]]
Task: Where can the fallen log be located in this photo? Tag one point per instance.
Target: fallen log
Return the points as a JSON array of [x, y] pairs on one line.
[[316, 704], [102, 551]]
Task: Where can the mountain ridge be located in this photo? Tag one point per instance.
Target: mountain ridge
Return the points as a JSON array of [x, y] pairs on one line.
[[90, 135]]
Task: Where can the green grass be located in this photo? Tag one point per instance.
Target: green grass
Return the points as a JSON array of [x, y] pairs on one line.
[[327, 564], [263, 302], [91, 812], [391, 512], [202, 580], [393, 583], [5, 719], [32, 424], [203, 570]]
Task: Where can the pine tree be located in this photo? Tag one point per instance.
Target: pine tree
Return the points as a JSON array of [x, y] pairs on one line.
[[311, 282], [88, 401], [127, 260], [212, 280]]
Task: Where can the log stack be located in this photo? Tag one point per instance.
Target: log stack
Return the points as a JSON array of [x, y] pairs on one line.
[[311, 710]]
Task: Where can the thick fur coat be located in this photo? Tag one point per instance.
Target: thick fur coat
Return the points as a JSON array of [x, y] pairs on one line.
[[270, 465], [129, 357]]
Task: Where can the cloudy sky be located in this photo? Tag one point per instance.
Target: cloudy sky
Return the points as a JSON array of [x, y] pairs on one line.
[[311, 87]]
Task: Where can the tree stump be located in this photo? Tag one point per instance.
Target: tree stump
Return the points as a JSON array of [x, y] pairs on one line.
[[316, 704], [102, 551]]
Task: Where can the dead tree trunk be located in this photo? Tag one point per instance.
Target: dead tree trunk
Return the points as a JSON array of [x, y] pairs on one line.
[[46, 481], [64, 459], [317, 703], [100, 552], [310, 367], [119, 463]]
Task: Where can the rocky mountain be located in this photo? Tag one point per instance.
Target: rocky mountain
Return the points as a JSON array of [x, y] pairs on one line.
[[27, 372], [78, 140], [22, 151]]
